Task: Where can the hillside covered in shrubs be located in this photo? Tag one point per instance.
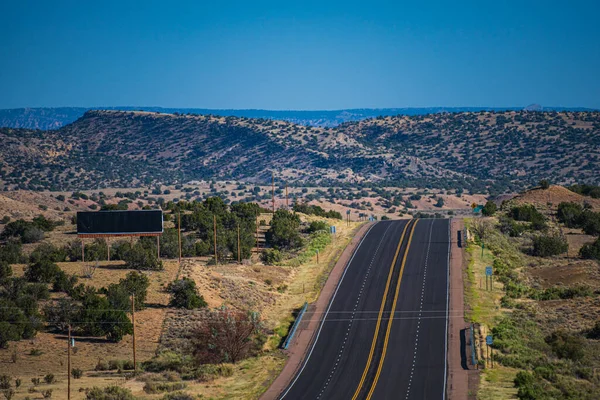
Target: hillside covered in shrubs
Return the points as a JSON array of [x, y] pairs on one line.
[[481, 152]]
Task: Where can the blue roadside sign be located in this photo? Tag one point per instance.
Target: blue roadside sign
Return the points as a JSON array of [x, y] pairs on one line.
[[488, 271], [348, 212], [332, 229], [489, 340]]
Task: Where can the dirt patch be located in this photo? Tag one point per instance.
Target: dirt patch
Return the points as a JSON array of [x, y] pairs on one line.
[[571, 274], [574, 314], [576, 240], [553, 196]]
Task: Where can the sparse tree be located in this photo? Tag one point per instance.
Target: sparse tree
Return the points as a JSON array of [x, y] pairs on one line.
[[481, 228], [227, 335]]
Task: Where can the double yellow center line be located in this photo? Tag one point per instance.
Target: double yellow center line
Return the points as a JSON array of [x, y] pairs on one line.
[[391, 315]]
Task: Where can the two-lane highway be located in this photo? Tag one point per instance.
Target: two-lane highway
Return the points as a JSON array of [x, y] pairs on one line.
[[384, 333]]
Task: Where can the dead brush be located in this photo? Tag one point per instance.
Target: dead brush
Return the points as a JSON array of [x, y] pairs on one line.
[[88, 270]]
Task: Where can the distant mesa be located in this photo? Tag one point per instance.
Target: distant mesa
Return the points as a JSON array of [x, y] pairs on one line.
[[534, 107]]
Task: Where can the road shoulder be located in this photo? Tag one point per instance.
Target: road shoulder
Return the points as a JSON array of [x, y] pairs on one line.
[[458, 377]]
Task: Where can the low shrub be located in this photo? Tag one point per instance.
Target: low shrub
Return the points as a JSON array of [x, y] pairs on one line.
[[546, 246], [101, 366], [271, 256], [317, 226], [76, 373], [109, 393], [591, 250], [555, 293], [184, 294], [160, 387], [567, 345], [169, 361], [178, 396], [594, 332]]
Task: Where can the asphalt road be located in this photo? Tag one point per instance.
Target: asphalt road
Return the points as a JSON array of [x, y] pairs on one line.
[[362, 353]]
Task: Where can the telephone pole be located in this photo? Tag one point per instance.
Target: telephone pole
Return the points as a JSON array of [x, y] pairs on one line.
[[69, 365], [287, 204], [273, 189], [215, 235], [257, 233], [133, 323]]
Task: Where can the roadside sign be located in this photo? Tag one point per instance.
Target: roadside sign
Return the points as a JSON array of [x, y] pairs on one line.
[[488, 271], [371, 218], [348, 212], [332, 229], [473, 205], [489, 340]]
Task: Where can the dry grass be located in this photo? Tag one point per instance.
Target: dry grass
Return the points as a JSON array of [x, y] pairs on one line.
[[483, 305], [497, 383]]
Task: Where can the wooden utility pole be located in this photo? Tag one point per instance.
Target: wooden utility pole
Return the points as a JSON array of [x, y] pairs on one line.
[[273, 190], [239, 250], [257, 233], [287, 204], [215, 236], [133, 324], [179, 233], [69, 364]]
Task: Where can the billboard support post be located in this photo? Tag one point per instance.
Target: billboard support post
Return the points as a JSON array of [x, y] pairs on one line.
[[257, 233], [82, 251], [107, 248], [273, 189], [69, 364], [158, 247]]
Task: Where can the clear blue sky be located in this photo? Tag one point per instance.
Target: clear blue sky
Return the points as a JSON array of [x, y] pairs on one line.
[[299, 55]]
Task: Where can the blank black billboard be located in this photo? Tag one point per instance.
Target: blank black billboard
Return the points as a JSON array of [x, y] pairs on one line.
[[120, 222]]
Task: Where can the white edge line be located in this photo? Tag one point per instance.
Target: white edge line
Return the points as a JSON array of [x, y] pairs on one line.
[[325, 316], [447, 305]]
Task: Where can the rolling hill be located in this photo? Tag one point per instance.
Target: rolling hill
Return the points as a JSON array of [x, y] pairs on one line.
[[478, 151]]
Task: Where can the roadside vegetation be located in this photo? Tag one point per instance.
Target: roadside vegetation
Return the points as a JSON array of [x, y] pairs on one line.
[[542, 349]]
